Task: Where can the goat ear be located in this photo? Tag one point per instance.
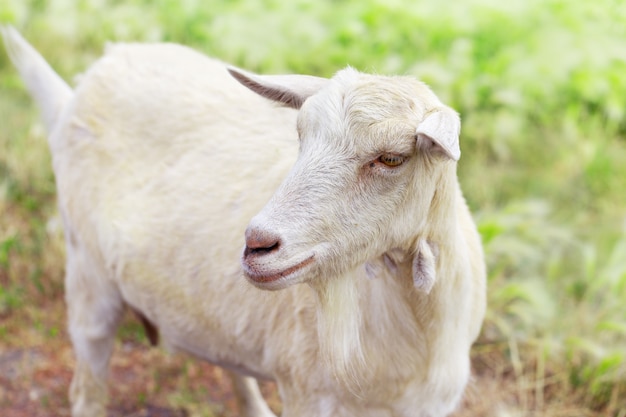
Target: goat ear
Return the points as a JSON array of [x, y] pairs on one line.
[[424, 262], [440, 129], [290, 90]]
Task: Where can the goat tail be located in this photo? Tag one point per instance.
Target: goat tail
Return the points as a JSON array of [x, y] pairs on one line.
[[49, 90]]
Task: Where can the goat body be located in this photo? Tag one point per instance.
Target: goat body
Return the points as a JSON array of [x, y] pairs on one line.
[[162, 157]]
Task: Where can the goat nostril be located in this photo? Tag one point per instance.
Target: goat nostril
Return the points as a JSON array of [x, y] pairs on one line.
[[260, 242], [259, 251]]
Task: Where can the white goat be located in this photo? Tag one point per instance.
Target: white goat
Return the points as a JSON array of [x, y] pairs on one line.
[[161, 159]]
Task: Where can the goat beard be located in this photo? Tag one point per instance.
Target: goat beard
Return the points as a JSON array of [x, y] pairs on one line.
[[339, 327]]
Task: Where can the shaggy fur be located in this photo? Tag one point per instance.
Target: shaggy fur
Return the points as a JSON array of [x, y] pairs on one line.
[[161, 159]]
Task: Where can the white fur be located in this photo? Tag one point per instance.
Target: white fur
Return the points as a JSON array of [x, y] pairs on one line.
[[161, 159]]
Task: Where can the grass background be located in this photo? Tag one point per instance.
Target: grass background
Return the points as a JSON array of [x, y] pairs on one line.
[[541, 88]]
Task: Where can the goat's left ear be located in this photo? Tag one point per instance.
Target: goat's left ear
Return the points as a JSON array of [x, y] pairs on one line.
[[289, 90], [424, 266], [440, 129]]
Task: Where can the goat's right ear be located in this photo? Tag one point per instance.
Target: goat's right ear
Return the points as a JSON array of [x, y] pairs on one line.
[[290, 90]]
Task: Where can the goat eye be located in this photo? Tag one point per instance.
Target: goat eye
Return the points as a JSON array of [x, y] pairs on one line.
[[391, 160]]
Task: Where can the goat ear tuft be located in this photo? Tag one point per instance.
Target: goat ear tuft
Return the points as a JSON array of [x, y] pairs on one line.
[[440, 129], [289, 90], [424, 262]]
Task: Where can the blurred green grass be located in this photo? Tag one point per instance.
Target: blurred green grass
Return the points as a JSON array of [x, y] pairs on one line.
[[541, 89]]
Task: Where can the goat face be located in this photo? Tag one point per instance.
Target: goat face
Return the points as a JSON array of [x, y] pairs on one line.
[[373, 151]]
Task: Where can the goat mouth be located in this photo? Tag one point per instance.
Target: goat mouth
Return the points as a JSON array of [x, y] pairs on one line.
[[266, 277]]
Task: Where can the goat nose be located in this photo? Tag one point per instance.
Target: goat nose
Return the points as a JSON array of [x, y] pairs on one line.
[[260, 242]]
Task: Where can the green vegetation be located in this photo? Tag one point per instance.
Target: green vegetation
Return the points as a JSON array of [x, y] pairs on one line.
[[541, 88]]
